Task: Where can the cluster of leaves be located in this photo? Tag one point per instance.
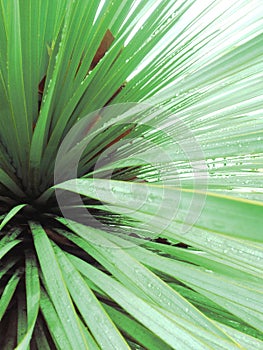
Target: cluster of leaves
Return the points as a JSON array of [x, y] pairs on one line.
[[141, 273]]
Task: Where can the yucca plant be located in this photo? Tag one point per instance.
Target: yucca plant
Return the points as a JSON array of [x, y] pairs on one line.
[[131, 174]]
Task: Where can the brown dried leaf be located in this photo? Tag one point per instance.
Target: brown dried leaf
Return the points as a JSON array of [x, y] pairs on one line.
[[103, 48]]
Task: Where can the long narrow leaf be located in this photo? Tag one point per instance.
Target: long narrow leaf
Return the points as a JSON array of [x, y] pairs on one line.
[[8, 293], [56, 286], [108, 337], [133, 275], [11, 214], [33, 297], [248, 212], [153, 319], [54, 323]]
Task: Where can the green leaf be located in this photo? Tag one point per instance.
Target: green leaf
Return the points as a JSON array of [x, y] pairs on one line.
[[11, 214], [102, 328], [8, 242], [134, 276], [7, 181], [54, 323], [33, 297], [56, 286], [92, 345], [246, 341], [239, 217], [8, 293], [21, 317], [170, 331], [135, 330], [21, 128], [243, 300]]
